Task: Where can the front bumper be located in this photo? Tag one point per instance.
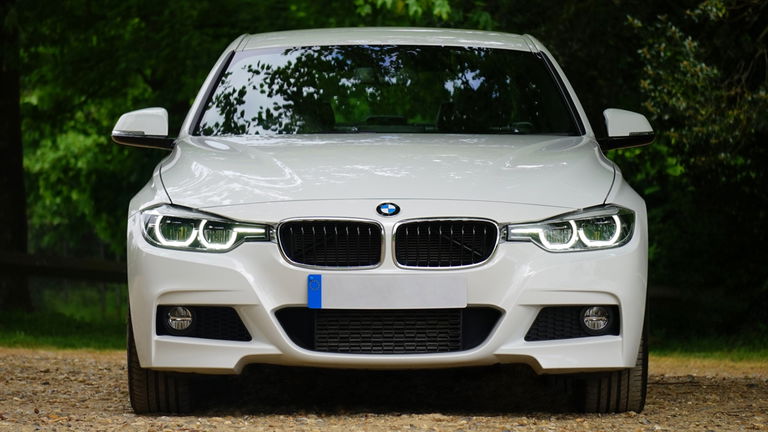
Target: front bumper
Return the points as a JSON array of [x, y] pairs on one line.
[[518, 280]]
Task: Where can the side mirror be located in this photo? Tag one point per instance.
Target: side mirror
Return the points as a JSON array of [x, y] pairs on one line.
[[625, 129], [146, 127]]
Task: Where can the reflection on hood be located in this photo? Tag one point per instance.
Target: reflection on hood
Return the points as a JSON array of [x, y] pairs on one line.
[[531, 169]]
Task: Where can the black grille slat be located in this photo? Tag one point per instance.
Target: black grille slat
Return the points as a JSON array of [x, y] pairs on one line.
[[444, 243], [331, 243]]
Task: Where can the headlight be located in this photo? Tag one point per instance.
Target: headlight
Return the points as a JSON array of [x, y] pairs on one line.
[[180, 228], [594, 228]]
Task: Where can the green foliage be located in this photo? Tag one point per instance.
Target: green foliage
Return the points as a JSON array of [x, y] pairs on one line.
[[53, 330], [84, 67], [81, 179], [703, 116], [415, 8], [705, 91], [750, 346], [69, 314]]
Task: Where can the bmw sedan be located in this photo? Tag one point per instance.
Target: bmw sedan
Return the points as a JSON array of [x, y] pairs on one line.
[[386, 198]]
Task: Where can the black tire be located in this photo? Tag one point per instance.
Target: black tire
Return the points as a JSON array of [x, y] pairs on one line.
[[617, 391], [156, 391]]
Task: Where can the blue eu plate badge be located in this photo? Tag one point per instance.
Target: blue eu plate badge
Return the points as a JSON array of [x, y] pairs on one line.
[[315, 291]]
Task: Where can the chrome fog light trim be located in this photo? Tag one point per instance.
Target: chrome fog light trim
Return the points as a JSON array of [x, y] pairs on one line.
[[179, 318]]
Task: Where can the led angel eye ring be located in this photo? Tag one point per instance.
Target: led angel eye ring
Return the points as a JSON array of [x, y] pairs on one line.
[[165, 242], [571, 242], [209, 245], [602, 243]]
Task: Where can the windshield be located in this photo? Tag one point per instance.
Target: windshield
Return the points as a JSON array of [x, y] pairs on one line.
[[385, 89]]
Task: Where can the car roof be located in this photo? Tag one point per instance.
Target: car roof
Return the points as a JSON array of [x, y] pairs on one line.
[[387, 36]]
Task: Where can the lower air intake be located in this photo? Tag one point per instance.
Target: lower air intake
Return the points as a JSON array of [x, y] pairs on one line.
[[564, 322], [208, 322], [399, 331]]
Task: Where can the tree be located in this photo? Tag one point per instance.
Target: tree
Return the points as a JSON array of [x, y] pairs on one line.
[[13, 218], [705, 84], [83, 66]]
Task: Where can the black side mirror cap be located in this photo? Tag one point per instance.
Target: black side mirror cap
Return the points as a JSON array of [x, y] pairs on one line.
[[634, 140], [141, 140]]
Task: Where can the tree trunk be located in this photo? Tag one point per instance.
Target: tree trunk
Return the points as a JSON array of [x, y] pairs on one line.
[[14, 290]]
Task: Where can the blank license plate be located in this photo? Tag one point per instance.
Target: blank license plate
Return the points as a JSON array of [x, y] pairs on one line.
[[338, 291]]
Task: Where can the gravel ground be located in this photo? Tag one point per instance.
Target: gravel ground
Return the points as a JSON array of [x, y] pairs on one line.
[[81, 390]]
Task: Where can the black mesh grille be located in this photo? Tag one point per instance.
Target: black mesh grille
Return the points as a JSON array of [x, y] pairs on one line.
[[564, 322], [331, 243], [445, 243], [208, 322], [394, 331], [412, 331]]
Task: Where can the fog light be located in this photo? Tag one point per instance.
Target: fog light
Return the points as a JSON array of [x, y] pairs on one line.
[[596, 319], [179, 318]]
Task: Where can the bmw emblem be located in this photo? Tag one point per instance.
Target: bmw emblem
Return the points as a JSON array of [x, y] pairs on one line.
[[388, 209]]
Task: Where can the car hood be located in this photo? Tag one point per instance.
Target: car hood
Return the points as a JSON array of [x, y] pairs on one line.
[[568, 172]]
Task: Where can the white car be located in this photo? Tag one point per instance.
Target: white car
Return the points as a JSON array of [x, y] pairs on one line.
[[386, 198]]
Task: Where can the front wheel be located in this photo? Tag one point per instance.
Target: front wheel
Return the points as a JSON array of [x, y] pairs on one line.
[[617, 391], [155, 391]]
